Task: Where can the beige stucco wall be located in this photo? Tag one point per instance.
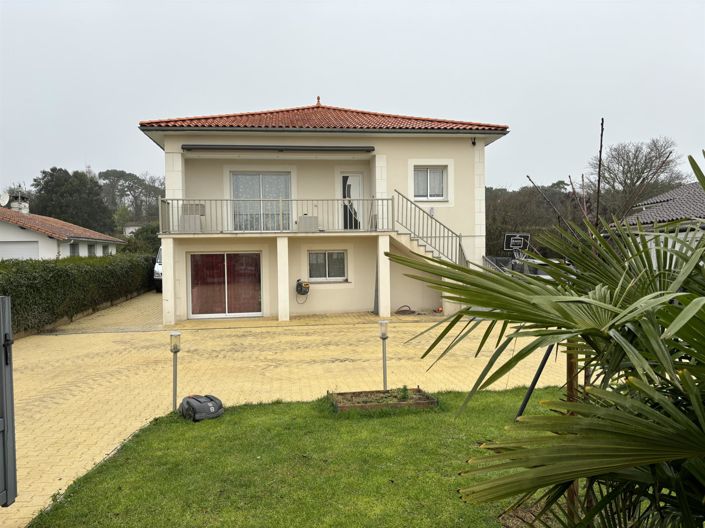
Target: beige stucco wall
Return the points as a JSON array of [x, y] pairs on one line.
[[203, 175], [200, 176], [355, 295], [184, 247], [411, 292], [310, 179]]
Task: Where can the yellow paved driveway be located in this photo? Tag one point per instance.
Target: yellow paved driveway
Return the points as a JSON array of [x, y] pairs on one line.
[[83, 389]]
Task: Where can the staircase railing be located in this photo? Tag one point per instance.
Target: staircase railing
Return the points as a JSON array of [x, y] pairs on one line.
[[421, 226]]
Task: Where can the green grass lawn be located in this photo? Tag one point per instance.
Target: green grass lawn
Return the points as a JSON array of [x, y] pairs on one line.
[[295, 464]]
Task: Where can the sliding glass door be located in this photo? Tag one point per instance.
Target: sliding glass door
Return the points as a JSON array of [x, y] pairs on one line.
[[243, 284], [207, 284], [261, 201], [226, 284]]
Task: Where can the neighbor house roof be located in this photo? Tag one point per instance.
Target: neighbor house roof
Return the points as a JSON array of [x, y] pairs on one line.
[[683, 203], [52, 227], [323, 117]]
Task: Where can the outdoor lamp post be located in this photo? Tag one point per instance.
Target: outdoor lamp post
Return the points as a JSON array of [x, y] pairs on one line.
[[175, 340], [383, 335]]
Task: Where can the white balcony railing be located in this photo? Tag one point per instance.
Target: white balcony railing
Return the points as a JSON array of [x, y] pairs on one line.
[[190, 216]]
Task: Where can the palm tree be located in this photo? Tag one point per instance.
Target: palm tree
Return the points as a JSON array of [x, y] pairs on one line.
[[629, 304]]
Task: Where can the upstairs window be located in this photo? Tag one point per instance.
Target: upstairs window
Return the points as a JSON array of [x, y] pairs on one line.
[[91, 250], [327, 266], [73, 249], [430, 182]]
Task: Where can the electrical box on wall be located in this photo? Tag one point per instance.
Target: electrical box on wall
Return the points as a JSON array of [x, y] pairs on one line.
[[302, 287]]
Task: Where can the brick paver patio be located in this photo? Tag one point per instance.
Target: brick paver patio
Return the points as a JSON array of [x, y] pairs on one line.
[[83, 389]]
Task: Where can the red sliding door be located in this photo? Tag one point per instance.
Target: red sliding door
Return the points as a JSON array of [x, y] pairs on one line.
[[207, 284], [243, 283], [225, 284]]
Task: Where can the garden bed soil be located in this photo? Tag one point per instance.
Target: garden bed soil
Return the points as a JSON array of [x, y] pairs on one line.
[[380, 399]]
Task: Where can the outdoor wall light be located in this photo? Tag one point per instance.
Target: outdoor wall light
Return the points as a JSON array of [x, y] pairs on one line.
[[175, 342]]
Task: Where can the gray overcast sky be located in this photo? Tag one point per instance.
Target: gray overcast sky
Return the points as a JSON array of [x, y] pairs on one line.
[[77, 76]]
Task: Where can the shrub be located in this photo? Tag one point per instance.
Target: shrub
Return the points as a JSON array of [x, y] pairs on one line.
[[145, 240], [44, 291]]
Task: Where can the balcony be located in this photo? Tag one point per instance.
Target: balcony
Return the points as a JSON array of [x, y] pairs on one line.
[[215, 216]]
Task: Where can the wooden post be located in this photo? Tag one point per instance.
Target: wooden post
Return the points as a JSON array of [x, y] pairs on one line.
[[571, 396]]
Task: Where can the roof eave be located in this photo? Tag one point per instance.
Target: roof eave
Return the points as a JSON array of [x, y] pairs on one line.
[[151, 131], [326, 130], [103, 240]]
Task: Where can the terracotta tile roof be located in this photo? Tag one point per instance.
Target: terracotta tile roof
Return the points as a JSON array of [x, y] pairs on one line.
[[322, 117], [686, 202], [52, 227]]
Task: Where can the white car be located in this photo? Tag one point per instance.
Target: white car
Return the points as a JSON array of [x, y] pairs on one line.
[[158, 272]]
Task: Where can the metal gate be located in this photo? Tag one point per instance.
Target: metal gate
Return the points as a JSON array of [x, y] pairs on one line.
[[8, 466]]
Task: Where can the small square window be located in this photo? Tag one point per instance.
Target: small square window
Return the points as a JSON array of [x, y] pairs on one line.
[[327, 266], [91, 250], [430, 182]]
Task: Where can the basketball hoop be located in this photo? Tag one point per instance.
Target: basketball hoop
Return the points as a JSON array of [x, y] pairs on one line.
[[517, 243]]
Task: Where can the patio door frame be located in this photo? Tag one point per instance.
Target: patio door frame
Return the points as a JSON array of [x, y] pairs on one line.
[[356, 203], [286, 202], [191, 315]]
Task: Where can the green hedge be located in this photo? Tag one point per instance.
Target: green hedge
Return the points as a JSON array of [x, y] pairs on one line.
[[44, 291]]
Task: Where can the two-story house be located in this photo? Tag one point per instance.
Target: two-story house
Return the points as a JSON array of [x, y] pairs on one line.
[[256, 202]]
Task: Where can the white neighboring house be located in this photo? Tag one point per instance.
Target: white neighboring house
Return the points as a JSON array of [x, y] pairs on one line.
[[29, 236], [257, 201], [131, 228]]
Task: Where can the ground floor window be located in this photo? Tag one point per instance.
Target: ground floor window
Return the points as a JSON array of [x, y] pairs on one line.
[[73, 249], [106, 249], [91, 250], [225, 284], [327, 265]]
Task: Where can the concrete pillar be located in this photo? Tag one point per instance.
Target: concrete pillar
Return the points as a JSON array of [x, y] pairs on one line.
[[449, 308], [378, 165], [173, 170], [474, 246], [384, 281], [283, 278], [380, 175], [168, 288]]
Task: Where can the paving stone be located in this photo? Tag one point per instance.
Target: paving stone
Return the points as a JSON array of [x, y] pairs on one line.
[[71, 384]]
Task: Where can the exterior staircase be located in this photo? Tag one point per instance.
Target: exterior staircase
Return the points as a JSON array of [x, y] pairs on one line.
[[420, 232]]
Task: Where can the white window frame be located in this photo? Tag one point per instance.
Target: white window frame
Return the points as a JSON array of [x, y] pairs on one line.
[[262, 212], [444, 183], [263, 291], [327, 278], [448, 180]]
